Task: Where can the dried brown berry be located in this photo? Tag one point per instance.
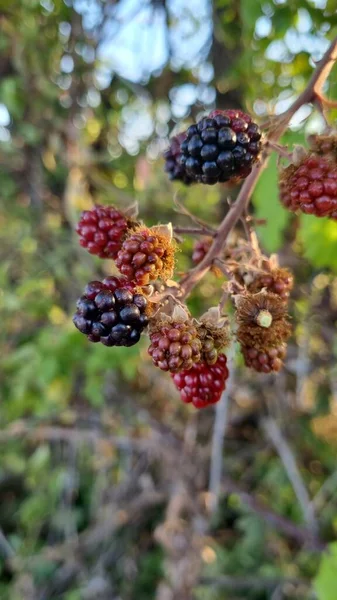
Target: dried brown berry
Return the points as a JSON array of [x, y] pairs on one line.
[[263, 329], [147, 254], [175, 344]]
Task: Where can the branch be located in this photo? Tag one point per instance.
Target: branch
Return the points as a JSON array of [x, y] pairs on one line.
[[274, 434], [249, 582], [302, 535], [310, 94], [220, 426]]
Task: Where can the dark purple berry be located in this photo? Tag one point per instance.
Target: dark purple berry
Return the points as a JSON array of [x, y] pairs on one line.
[[221, 147], [115, 316]]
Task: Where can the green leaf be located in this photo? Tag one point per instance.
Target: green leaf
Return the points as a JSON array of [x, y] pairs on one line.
[[268, 206], [318, 240], [325, 581]]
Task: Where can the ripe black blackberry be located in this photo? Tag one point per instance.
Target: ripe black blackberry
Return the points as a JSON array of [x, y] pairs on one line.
[[111, 312], [221, 147], [173, 166]]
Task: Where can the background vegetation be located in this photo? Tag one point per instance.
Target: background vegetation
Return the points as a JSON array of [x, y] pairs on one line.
[[103, 472]]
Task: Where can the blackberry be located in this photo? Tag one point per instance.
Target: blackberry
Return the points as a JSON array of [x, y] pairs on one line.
[[201, 247], [324, 144], [111, 312], [203, 384], [266, 360], [221, 147], [173, 166], [278, 281], [310, 187], [147, 254], [175, 345], [102, 230]]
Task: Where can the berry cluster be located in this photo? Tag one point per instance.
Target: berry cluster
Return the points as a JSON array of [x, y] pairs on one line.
[[203, 384], [221, 147], [111, 312], [102, 230], [310, 187]]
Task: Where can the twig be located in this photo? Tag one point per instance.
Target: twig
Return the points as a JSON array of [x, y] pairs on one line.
[[280, 150], [194, 231], [328, 487], [249, 582], [20, 429], [6, 550], [274, 434], [301, 534], [219, 430]]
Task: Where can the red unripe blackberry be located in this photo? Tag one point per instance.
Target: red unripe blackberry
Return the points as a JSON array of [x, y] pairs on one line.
[[112, 312], [221, 147], [102, 230], [266, 360], [310, 187], [201, 247], [203, 384], [172, 155], [175, 345], [146, 255]]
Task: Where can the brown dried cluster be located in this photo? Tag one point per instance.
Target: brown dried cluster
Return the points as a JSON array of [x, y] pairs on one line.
[[263, 329]]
